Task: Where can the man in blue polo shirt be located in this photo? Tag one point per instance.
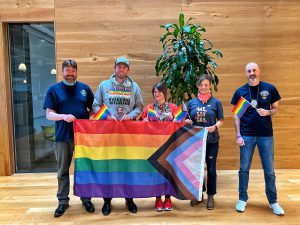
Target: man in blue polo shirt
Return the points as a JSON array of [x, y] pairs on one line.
[[255, 128], [65, 102]]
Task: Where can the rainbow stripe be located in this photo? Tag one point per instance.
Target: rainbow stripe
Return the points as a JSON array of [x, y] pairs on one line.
[[241, 107], [179, 114], [102, 113], [136, 159], [126, 93], [152, 115]]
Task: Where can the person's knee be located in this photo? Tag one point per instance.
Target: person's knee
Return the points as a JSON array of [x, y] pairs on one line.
[[270, 173], [63, 174], [244, 168], [211, 165]]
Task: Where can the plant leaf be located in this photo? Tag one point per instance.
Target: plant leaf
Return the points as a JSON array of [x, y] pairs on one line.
[[217, 52], [176, 31], [168, 25], [181, 21], [197, 37], [193, 30], [187, 29]]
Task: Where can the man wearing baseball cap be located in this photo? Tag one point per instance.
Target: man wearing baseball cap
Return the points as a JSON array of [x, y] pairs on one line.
[[123, 97]]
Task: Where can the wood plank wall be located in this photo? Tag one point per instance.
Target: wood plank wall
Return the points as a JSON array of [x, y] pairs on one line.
[[95, 32], [265, 32]]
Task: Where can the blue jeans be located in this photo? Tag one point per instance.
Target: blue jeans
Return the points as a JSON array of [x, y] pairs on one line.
[[266, 152]]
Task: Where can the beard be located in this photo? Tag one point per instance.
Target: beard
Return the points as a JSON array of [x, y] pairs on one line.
[[121, 75], [70, 79], [252, 77]]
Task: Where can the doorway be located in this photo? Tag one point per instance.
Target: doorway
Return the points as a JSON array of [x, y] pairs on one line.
[[32, 70]]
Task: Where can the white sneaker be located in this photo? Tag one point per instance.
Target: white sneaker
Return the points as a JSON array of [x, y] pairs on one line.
[[240, 206], [277, 209]]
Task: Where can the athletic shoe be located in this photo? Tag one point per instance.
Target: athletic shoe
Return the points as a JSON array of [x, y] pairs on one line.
[[240, 206], [277, 209], [168, 204], [159, 205]]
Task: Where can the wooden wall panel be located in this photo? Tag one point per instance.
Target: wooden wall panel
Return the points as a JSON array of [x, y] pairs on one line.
[[13, 11], [110, 29], [265, 32], [26, 4], [96, 32], [6, 153]]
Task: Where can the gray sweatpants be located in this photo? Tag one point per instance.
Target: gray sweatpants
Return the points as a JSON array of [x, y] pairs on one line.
[[64, 154]]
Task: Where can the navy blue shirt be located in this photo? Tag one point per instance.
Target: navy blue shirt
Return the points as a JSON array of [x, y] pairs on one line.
[[64, 99], [252, 124], [206, 114]]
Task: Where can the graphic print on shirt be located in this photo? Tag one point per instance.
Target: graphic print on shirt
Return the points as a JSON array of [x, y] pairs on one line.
[[264, 94], [201, 112], [163, 112], [119, 96]]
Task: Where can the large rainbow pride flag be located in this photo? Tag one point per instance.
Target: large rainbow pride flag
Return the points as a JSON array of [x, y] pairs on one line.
[[138, 159]]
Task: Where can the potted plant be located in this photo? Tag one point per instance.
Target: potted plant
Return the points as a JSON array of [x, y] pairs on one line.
[[185, 57]]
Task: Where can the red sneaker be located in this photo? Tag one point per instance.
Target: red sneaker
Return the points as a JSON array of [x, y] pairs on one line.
[[168, 204], [159, 205]]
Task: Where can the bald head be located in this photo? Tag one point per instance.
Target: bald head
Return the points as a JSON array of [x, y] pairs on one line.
[[252, 72], [251, 65]]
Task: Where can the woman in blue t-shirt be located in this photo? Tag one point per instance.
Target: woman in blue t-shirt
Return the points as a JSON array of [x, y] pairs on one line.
[[207, 111]]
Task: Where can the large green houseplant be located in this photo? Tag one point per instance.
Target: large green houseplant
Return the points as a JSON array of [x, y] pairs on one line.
[[186, 56]]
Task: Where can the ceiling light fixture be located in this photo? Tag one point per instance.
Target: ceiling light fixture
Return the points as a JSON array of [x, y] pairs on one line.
[[53, 72], [22, 67]]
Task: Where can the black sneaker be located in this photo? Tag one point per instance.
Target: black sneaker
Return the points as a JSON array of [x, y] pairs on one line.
[[106, 209], [61, 210], [131, 206]]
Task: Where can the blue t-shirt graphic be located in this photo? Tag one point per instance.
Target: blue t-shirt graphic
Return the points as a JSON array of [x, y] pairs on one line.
[[206, 114]]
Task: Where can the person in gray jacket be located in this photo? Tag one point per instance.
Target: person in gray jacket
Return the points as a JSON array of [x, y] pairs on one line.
[[123, 97]]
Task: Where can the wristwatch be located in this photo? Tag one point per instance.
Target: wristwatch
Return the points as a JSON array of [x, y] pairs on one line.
[[270, 112]]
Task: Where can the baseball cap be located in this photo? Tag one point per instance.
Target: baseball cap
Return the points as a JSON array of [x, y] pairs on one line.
[[122, 59]]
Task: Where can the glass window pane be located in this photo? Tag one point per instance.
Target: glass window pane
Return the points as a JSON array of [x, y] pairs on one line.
[[32, 67]]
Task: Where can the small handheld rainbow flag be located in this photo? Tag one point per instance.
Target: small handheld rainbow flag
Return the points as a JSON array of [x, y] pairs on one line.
[[241, 107], [152, 115], [102, 113], [180, 113]]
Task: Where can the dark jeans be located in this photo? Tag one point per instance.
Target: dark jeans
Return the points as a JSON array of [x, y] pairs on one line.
[[64, 153], [211, 161]]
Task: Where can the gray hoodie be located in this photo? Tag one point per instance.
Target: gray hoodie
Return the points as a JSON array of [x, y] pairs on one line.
[[124, 98]]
